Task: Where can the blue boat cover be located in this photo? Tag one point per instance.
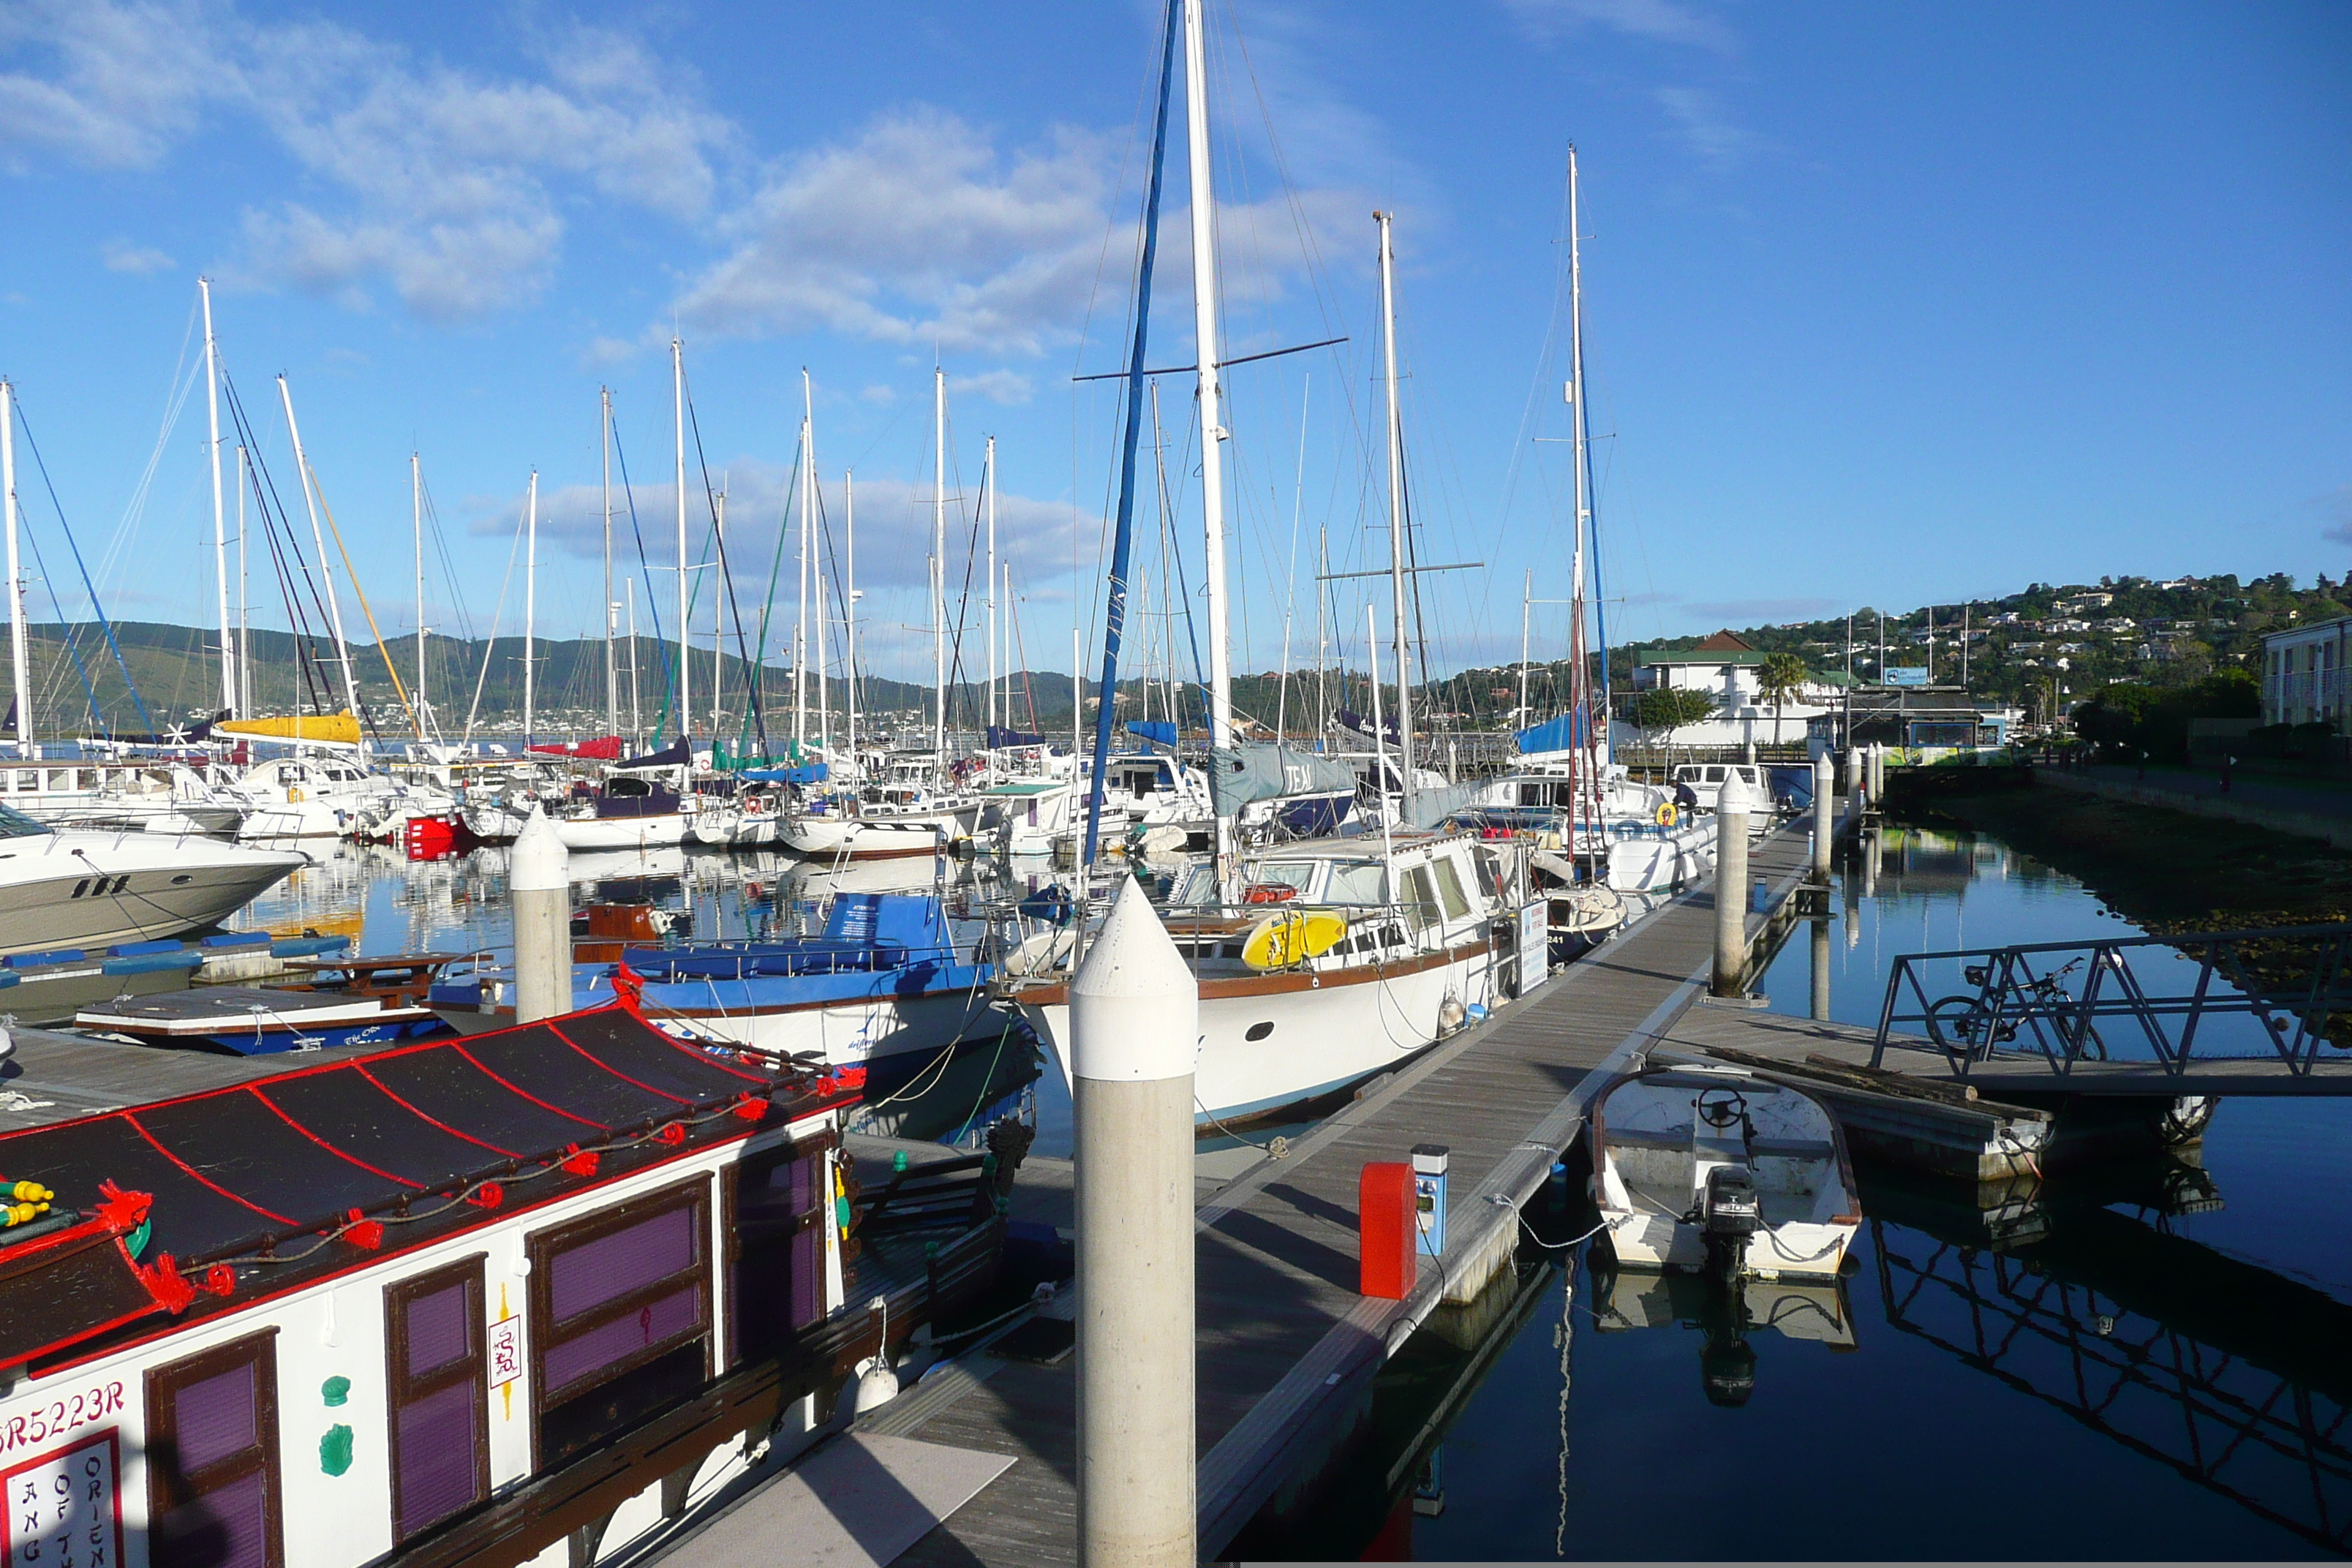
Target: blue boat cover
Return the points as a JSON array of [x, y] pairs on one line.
[[812, 773], [999, 737], [1152, 730], [1565, 733]]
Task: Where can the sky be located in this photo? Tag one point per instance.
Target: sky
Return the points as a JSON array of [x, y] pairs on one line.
[[1884, 305]]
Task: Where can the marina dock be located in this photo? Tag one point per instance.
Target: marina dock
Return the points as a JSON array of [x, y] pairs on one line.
[[1287, 1346]]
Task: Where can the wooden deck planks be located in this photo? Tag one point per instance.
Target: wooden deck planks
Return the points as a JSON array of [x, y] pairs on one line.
[[1283, 1338]]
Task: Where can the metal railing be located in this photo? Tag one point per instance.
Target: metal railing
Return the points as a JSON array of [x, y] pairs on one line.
[[2067, 1003]]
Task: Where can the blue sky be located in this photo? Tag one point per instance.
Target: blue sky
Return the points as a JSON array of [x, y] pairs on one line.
[[1885, 304]]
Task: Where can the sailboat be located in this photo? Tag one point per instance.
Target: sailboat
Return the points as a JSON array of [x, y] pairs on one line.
[[1320, 963], [1607, 846], [916, 807]]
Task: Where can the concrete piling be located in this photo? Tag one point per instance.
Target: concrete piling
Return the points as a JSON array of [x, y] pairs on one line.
[[540, 877], [1824, 820], [1731, 888], [1135, 1030]]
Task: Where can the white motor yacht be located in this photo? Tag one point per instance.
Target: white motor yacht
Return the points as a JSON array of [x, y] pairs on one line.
[[152, 794], [309, 797], [61, 887]]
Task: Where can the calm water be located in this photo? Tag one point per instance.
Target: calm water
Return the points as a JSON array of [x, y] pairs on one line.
[[2078, 1373]]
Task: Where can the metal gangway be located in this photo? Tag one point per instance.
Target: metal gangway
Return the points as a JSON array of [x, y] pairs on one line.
[[2155, 1011]]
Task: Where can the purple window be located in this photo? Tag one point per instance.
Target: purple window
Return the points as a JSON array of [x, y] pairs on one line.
[[237, 1524], [437, 1330], [439, 1441], [585, 1277], [584, 1354], [214, 1419]]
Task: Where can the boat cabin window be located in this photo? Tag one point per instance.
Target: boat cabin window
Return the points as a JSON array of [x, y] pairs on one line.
[[213, 1484], [17, 825], [1490, 875], [28, 780], [620, 1316], [60, 779], [86, 778], [1421, 896], [1449, 887], [438, 1386], [1357, 883], [778, 1290], [1295, 875], [628, 789]]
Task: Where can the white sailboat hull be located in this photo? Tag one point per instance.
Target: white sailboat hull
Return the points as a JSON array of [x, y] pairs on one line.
[[847, 1034], [874, 837], [620, 832], [1310, 1040]]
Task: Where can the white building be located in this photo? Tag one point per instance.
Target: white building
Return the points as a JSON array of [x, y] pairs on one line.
[[2302, 674], [1725, 668]]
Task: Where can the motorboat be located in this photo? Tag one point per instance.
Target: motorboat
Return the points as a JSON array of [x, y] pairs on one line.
[[1339, 962], [62, 888], [883, 979], [1708, 1169], [1025, 815], [882, 822], [309, 796], [156, 794]]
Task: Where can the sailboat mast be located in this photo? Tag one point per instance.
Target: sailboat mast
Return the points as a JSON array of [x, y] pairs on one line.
[[1396, 514], [612, 610], [719, 610], [529, 602], [685, 642], [417, 527], [244, 600], [1526, 604], [940, 568], [808, 515], [988, 479], [636, 714], [220, 531], [1579, 678], [18, 664], [1212, 424], [849, 599], [318, 539]]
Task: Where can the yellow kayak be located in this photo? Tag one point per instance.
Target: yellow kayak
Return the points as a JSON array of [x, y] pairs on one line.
[[1292, 937]]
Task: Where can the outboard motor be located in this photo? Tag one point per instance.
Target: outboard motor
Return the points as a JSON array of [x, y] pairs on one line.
[[1729, 1216]]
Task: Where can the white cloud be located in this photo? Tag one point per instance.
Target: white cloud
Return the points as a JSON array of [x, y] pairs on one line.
[[918, 232], [1704, 129], [1661, 21], [999, 386], [894, 526], [447, 185], [119, 257], [104, 85]]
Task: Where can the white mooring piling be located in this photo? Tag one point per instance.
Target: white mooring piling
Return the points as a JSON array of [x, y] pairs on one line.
[[1134, 1033], [540, 877], [1731, 888], [1824, 821], [1852, 771]]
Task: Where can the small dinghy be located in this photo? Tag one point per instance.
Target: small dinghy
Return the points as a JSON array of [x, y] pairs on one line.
[[1704, 1169]]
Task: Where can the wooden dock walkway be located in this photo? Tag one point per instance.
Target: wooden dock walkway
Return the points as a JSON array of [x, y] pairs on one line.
[[1286, 1346]]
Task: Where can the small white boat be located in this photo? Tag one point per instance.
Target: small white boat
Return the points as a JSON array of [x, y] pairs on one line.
[[1710, 1169]]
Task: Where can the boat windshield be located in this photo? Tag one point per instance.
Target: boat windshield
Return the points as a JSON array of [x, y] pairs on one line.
[[17, 825]]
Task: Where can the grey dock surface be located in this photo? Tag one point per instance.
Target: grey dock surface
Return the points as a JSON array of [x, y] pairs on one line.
[[1286, 1344]]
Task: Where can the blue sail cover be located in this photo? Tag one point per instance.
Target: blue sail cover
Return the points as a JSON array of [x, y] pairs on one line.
[[999, 737], [1152, 730], [813, 772], [1565, 733]]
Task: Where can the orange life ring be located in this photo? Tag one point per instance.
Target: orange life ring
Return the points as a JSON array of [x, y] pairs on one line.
[[1269, 893]]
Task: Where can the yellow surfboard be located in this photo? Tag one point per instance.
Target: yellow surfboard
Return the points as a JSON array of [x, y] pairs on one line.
[[1292, 937]]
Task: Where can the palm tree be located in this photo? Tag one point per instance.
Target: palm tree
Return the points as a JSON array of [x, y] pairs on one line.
[[1779, 677]]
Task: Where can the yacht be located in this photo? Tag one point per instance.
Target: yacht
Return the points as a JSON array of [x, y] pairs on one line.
[[62, 888], [158, 795], [1340, 961], [309, 797]]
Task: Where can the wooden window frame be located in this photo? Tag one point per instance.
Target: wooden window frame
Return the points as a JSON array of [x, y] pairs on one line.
[[543, 1247], [401, 1390], [162, 1426]]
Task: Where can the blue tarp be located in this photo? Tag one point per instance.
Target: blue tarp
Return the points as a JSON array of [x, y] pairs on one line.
[[815, 772], [1565, 733], [999, 737], [1152, 730]]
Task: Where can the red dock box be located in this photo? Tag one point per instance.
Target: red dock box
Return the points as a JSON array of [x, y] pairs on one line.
[[1384, 1208]]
